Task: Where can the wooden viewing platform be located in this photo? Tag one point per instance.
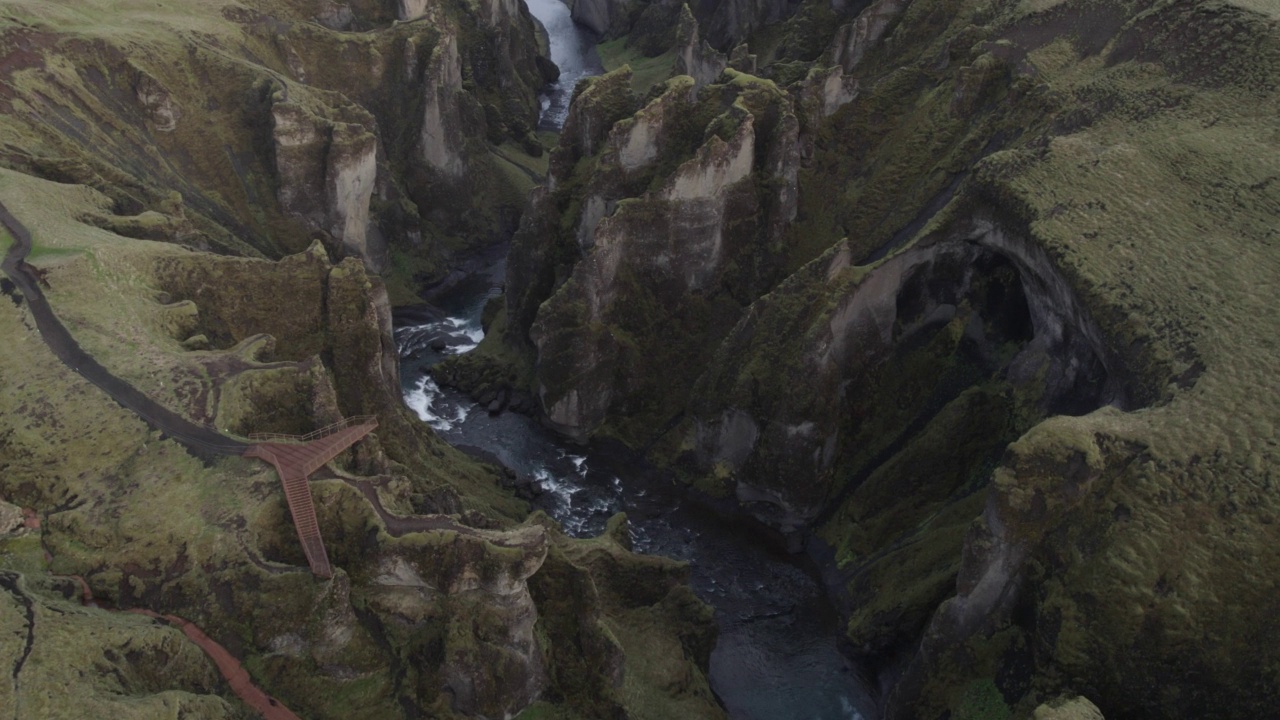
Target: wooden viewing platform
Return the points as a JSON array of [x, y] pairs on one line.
[[295, 457]]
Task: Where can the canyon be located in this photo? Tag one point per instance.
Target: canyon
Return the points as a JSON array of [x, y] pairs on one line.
[[934, 337]]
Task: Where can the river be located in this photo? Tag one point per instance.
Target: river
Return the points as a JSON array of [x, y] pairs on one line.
[[776, 657], [573, 50]]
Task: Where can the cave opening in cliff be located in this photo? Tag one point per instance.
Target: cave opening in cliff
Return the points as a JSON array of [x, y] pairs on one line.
[[1005, 328], [974, 335]]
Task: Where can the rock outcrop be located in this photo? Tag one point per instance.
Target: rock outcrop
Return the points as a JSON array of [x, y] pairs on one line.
[[991, 387], [327, 167], [674, 255], [695, 57], [853, 41], [440, 142], [438, 604]]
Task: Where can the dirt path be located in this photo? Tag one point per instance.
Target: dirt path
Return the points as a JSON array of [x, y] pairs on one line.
[[202, 441], [235, 674], [230, 668]]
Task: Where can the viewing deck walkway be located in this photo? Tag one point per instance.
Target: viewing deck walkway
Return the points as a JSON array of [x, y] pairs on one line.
[[295, 457]]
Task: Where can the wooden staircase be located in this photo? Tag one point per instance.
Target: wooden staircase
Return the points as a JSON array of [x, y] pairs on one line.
[[295, 457]]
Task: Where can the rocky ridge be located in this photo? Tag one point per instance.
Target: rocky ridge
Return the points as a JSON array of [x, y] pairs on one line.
[[984, 339], [280, 135], [276, 123]]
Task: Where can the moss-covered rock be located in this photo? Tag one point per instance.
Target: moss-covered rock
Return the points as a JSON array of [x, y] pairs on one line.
[[306, 130], [426, 613], [1038, 222]]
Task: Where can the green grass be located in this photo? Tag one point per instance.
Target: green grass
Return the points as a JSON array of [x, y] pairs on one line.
[[646, 71], [521, 170], [527, 164], [39, 251], [401, 282]]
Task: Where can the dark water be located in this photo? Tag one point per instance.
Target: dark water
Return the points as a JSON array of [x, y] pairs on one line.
[[776, 658], [573, 50]]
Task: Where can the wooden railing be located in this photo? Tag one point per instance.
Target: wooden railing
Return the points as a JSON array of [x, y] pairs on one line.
[[315, 434]]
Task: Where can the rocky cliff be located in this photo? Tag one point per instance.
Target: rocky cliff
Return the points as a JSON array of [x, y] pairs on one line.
[[213, 190], [963, 301], [967, 301], [255, 128], [439, 602]]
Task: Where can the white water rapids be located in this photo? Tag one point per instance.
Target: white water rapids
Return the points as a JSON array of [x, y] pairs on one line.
[[776, 657]]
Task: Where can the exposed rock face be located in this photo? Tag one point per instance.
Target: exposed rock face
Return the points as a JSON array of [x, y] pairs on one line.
[[157, 101], [855, 40], [335, 15], [411, 9], [492, 663], [607, 18], [10, 517], [825, 92], [536, 262], [670, 251], [696, 58], [1075, 708], [440, 142], [327, 169], [640, 140]]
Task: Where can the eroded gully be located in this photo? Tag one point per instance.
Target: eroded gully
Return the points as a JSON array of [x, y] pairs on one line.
[[776, 657]]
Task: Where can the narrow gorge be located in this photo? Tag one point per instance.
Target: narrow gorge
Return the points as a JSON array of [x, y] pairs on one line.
[[756, 360]]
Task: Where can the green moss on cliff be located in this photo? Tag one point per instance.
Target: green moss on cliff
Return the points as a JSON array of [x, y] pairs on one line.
[[646, 71]]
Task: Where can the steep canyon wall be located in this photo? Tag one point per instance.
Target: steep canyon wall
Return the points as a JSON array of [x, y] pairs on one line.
[[959, 299]]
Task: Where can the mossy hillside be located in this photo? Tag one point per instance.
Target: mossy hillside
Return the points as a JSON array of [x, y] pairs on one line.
[[142, 668], [896, 151], [104, 487], [143, 73], [87, 69], [1145, 204], [1172, 268]]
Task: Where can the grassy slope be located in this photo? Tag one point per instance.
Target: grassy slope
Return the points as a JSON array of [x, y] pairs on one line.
[[105, 485], [646, 71], [1161, 210], [1140, 151], [1165, 212]]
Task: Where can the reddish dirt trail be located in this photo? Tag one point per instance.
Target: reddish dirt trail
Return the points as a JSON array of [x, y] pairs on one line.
[[230, 668], [241, 684]]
